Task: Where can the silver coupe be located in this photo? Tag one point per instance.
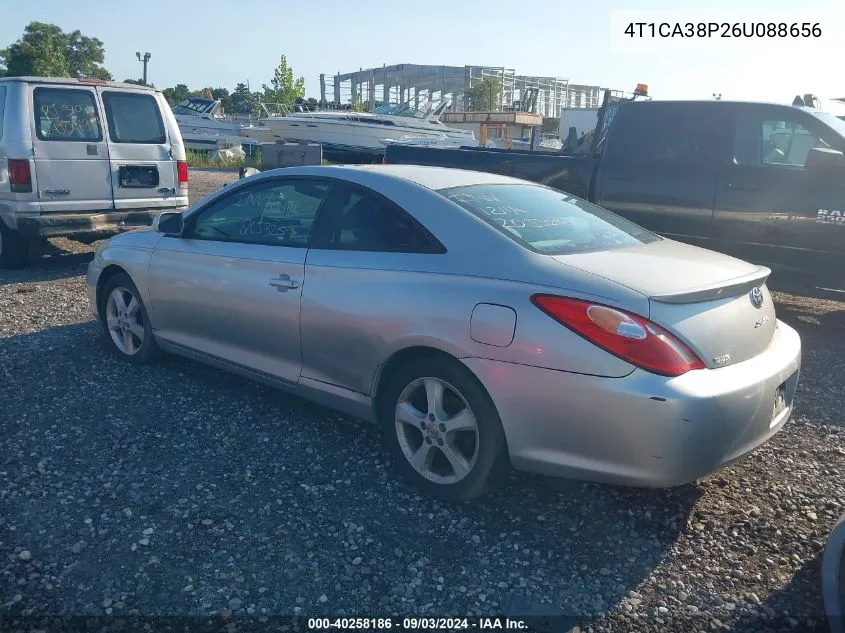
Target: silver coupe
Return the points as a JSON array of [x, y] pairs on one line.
[[482, 321]]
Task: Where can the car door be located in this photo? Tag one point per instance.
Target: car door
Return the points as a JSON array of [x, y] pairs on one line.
[[768, 202], [143, 169], [661, 166], [363, 276], [230, 286], [70, 150]]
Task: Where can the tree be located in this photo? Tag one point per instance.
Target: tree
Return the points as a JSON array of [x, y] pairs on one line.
[[283, 88], [485, 96], [138, 82], [176, 94], [225, 98], [45, 50], [241, 99]]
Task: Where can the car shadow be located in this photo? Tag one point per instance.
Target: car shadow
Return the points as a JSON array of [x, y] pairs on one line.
[[179, 442], [803, 588]]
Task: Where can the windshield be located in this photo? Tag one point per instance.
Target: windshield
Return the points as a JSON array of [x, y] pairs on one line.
[[192, 106], [834, 122], [548, 221], [401, 109]]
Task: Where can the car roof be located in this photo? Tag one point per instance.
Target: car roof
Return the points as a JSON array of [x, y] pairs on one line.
[[429, 177], [70, 81]]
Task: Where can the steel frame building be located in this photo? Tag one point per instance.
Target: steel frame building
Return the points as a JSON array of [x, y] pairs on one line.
[[413, 82]]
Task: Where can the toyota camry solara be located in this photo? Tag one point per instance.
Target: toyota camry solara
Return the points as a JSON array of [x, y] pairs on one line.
[[482, 321]]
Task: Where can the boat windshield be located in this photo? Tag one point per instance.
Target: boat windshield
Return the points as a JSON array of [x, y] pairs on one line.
[[406, 110], [194, 105]]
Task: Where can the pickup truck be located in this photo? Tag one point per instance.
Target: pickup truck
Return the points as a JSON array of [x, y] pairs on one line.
[[763, 182]]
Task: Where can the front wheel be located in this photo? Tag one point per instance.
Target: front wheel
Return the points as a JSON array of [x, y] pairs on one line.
[[443, 430], [125, 320]]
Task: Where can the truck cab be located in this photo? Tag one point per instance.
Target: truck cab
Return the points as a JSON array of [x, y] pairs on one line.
[[765, 182]]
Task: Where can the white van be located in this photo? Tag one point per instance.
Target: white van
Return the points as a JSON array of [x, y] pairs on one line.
[[84, 159]]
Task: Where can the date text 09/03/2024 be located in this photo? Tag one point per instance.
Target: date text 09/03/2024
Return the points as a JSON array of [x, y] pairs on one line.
[[793, 30], [417, 624]]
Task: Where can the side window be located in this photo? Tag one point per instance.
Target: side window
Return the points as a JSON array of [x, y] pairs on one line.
[[773, 142], [279, 213], [133, 118], [63, 114], [365, 222], [666, 135], [2, 107]]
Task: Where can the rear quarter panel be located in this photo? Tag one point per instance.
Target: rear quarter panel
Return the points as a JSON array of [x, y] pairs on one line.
[[358, 309]]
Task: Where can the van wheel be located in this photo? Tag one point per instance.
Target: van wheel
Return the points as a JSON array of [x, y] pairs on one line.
[[124, 318], [443, 431], [13, 248]]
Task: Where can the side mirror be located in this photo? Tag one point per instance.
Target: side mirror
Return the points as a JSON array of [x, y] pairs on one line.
[[170, 223], [824, 160]]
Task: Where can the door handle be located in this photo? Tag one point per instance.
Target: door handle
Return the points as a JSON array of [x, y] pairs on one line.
[[283, 283], [734, 187], [623, 178]]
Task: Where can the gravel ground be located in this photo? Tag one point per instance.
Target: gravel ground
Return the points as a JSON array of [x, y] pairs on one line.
[[175, 489]]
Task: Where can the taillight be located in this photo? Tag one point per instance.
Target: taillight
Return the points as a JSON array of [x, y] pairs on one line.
[[630, 337], [384, 160], [20, 176], [182, 170]]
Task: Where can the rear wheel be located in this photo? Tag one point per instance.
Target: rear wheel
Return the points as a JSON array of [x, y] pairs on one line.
[[125, 321], [443, 430], [13, 248]]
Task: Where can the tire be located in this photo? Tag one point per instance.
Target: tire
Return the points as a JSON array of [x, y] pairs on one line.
[[453, 465], [127, 327], [833, 577], [13, 248]]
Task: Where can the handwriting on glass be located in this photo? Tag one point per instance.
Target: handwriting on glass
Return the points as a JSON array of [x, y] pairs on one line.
[[507, 216]]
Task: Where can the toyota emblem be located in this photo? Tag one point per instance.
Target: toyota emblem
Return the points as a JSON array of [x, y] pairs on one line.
[[756, 297]]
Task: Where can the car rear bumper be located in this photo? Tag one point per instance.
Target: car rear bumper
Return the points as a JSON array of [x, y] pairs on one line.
[[89, 224], [642, 429]]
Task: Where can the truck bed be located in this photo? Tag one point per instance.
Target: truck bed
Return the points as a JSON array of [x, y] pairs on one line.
[[572, 174]]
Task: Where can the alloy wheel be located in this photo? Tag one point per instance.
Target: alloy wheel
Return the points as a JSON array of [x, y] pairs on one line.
[[437, 430], [124, 320]]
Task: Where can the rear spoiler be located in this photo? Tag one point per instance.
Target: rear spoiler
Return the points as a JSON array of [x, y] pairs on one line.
[[711, 292]]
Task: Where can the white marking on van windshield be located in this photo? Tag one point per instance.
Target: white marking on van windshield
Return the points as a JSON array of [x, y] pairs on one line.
[[831, 216]]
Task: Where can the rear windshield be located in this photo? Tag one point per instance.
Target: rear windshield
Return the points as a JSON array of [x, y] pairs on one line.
[[548, 221], [133, 118], [65, 114], [2, 107]]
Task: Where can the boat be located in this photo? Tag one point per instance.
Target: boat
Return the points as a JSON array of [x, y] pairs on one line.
[[344, 133], [204, 128], [444, 140]]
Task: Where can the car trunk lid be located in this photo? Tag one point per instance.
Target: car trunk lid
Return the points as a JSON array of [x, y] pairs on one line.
[[718, 305]]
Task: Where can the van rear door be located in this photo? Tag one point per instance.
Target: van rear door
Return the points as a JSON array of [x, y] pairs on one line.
[[143, 170], [70, 151]]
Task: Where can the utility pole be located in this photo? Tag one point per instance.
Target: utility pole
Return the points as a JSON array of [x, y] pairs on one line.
[[145, 59]]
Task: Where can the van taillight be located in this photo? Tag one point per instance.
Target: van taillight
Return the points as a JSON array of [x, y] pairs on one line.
[[20, 176], [384, 160], [182, 169]]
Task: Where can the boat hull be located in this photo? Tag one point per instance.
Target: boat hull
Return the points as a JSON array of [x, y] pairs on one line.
[[343, 137]]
